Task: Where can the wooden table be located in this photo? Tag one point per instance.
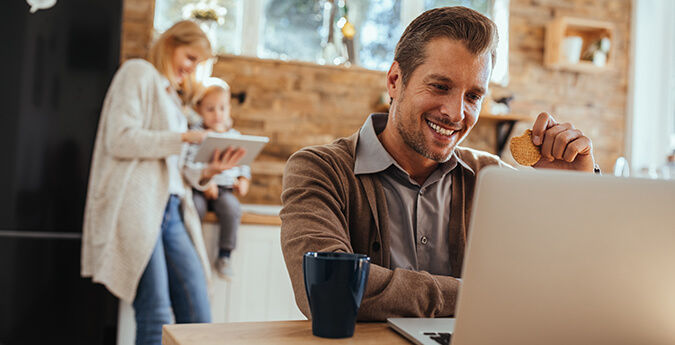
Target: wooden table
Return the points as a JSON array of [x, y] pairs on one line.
[[273, 332]]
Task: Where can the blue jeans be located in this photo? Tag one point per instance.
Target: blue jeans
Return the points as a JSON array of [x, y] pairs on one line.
[[173, 280]]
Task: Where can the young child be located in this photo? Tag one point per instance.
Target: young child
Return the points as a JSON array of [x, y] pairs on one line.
[[214, 109]]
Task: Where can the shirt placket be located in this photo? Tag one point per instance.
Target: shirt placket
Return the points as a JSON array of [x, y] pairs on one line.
[[422, 233]]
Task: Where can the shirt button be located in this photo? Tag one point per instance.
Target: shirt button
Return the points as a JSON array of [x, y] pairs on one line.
[[422, 191], [424, 240]]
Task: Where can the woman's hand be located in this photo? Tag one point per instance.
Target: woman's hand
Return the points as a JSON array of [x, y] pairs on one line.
[[193, 137], [221, 161]]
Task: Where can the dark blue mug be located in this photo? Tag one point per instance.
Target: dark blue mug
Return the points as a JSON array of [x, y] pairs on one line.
[[335, 284]]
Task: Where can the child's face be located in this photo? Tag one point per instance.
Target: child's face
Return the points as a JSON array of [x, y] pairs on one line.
[[215, 110]]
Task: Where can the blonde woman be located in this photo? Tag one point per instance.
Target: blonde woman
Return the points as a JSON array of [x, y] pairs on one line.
[[141, 234]]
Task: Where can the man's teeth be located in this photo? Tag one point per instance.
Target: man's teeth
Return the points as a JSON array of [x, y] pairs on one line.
[[439, 130]]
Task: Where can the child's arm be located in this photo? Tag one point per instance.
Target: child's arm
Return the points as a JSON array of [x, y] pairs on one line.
[[242, 185], [211, 192], [243, 180]]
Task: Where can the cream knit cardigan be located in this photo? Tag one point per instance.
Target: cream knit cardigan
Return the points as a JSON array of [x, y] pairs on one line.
[[129, 182]]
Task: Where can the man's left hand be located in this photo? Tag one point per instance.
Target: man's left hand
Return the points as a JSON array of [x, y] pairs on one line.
[[562, 146]]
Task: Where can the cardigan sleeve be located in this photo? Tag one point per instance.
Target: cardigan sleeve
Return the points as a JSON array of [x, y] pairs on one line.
[[315, 218], [193, 170], [131, 112]]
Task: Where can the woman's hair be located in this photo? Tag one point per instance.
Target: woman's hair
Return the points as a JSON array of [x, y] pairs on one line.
[[477, 32], [161, 53]]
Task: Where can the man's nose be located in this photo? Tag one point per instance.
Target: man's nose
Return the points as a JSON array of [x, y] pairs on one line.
[[453, 107]]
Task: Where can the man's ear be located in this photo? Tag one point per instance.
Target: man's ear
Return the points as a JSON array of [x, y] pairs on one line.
[[394, 79]]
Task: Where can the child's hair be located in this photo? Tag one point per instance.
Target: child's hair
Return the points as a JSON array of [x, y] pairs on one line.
[[210, 86], [161, 53]]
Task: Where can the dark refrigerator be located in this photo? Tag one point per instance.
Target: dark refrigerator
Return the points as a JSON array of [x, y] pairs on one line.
[[56, 67]]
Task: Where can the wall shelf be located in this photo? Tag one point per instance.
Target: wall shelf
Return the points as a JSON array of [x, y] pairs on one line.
[[591, 32], [503, 127]]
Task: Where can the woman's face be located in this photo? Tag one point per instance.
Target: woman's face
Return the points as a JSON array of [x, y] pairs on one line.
[[184, 61]]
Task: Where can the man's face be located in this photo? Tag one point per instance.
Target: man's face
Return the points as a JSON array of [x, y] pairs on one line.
[[440, 104]]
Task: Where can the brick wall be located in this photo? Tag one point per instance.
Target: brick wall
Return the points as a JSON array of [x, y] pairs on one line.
[[594, 103], [300, 104]]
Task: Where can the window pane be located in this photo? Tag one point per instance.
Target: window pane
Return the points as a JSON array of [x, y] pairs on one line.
[[378, 27], [226, 35], [482, 6], [290, 30]]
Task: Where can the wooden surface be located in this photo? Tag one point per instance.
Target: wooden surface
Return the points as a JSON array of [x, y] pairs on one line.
[[248, 218], [273, 332]]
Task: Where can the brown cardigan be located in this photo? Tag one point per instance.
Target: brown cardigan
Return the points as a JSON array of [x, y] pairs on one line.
[[328, 208]]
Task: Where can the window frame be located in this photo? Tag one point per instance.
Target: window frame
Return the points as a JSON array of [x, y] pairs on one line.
[[251, 12]]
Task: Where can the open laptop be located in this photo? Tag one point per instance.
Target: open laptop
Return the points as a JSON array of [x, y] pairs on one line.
[[564, 258]]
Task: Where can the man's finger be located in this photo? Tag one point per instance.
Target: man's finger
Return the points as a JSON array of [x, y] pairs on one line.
[[562, 140], [541, 124], [580, 146]]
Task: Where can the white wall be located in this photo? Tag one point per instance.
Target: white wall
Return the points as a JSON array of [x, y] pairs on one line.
[[651, 112]]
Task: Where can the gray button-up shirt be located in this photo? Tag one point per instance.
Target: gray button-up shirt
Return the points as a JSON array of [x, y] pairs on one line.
[[419, 216]]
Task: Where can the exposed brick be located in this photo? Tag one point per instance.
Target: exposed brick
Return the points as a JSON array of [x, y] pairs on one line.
[[298, 104]]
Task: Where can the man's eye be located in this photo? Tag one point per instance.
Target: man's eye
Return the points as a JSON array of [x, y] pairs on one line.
[[440, 87], [474, 98]]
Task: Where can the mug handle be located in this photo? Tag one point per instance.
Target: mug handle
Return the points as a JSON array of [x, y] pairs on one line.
[[364, 270]]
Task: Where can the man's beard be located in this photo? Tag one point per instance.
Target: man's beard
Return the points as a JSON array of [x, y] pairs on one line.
[[416, 140]]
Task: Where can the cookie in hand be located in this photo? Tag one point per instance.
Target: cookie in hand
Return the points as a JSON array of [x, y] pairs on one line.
[[523, 150]]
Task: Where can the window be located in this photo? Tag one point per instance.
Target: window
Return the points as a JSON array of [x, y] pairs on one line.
[[650, 129], [226, 35], [319, 30]]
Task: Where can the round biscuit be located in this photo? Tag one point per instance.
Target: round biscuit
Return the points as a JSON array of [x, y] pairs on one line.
[[523, 150]]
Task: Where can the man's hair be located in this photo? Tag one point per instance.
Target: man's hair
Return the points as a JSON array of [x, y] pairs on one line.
[[477, 32], [161, 53]]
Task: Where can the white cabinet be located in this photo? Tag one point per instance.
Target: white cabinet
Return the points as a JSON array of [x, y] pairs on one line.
[[261, 289]]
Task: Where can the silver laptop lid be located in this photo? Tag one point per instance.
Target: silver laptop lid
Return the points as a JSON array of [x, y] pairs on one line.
[[568, 258]]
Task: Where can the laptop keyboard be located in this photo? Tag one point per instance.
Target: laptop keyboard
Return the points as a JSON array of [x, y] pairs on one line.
[[441, 338]]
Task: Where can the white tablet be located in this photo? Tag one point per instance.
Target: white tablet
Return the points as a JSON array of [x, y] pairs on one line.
[[253, 144]]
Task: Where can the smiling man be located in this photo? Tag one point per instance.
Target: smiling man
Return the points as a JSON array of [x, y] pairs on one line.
[[400, 190]]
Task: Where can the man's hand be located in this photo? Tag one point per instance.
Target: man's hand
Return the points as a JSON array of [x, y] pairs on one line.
[[562, 146], [242, 186], [212, 192]]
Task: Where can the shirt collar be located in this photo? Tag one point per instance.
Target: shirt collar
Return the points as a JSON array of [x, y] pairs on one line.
[[462, 163], [371, 156]]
